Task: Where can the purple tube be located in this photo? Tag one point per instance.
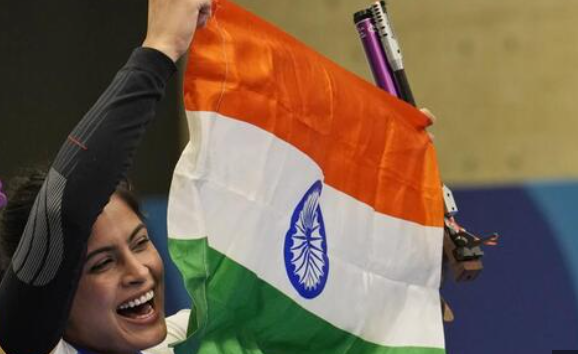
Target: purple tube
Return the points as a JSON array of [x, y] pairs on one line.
[[376, 56], [3, 200]]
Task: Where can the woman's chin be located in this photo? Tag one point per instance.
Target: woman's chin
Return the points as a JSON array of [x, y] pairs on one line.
[[144, 332]]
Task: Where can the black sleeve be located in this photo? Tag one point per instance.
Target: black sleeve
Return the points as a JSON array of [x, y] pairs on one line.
[[37, 291]]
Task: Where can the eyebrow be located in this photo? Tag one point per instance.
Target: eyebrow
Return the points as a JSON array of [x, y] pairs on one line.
[[133, 234]]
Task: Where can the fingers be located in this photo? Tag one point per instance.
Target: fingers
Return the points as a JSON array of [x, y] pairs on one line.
[[428, 114], [432, 119], [204, 14]]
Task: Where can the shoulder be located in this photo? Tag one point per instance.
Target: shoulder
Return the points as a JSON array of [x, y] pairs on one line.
[[64, 348], [177, 325]]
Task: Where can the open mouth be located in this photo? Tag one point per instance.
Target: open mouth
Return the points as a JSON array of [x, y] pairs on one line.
[[138, 308]]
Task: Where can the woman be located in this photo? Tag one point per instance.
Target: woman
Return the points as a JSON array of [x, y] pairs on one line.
[[121, 264], [84, 269]]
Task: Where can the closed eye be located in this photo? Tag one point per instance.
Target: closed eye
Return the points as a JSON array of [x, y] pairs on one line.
[[101, 265], [142, 243]]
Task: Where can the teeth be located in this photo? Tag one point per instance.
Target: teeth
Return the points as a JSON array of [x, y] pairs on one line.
[[138, 301]]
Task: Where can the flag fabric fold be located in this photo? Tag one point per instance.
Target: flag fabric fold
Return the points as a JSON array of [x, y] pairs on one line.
[[305, 214]]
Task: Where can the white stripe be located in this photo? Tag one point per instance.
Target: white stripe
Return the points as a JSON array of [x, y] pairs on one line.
[[242, 194]]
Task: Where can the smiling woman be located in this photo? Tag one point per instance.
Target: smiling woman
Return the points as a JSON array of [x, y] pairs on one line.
[[121, 286], [83, 265]]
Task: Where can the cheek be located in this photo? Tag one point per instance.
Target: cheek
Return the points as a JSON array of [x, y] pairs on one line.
[[94, 299], [155, 264], [95, 293]]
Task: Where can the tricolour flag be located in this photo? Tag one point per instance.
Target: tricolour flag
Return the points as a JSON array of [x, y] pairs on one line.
[[306, 213]]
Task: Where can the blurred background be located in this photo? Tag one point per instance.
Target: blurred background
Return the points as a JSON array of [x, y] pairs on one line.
[[498, 75]]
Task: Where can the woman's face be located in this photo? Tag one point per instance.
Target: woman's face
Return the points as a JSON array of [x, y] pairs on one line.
[[119, 306]]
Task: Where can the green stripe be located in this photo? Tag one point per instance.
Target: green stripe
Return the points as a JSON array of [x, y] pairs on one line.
[[236, 312]]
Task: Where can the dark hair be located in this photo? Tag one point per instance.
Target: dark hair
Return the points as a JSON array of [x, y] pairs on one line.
[[21, 192]]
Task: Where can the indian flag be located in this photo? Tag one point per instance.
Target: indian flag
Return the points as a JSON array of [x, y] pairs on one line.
[[305, 214]]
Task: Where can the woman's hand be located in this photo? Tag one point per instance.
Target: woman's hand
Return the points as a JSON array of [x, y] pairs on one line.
[[172, 24]]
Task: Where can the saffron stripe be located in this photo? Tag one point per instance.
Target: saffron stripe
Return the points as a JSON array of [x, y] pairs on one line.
[[369, 144]]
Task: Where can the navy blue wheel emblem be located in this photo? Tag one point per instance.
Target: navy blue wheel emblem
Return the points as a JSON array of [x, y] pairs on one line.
[[305, 250]]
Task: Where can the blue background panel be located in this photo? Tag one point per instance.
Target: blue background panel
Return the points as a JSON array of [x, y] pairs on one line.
[[524, 300], [176, 297]]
